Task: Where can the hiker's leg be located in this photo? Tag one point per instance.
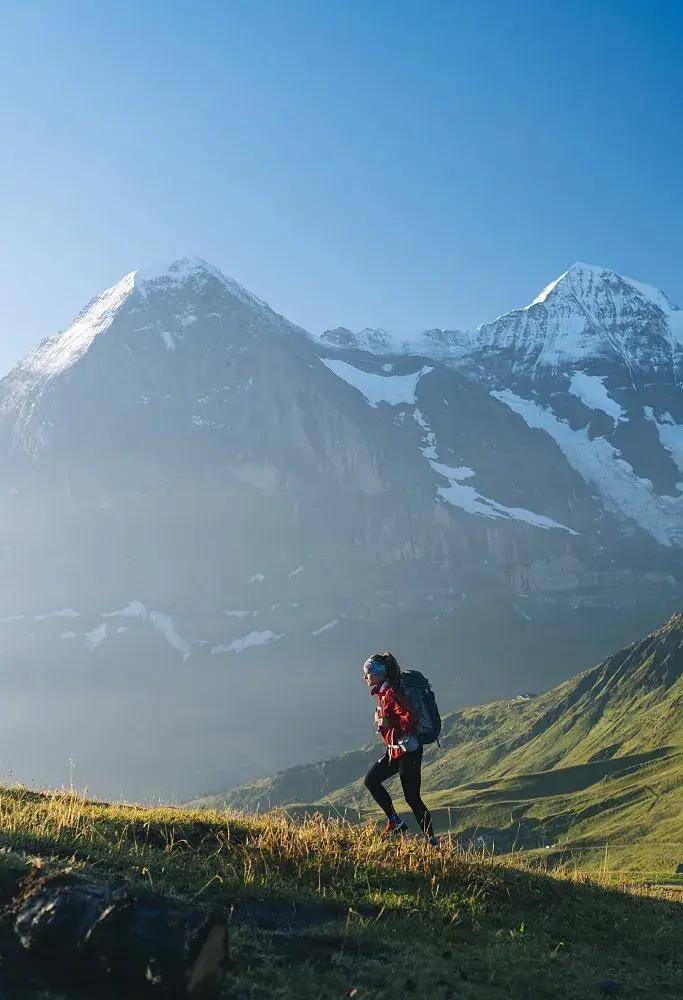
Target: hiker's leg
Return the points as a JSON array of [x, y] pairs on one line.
[[410, 771], [379, 772]]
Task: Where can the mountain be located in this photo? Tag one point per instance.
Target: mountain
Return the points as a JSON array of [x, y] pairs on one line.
[[210, 517], [596, 760], [595, 362], [588, 314]]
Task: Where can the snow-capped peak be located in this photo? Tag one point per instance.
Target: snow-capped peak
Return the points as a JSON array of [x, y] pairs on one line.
[[191, 270], [57, 353], [186, 274], [176, 271], [588, 312], [545, 292], [590, 281]]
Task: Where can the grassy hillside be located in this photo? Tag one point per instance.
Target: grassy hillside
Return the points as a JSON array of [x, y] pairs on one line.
[[594, 764], [325, 909]]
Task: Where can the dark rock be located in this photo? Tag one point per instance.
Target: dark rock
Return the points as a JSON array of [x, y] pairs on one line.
[[140, 942]]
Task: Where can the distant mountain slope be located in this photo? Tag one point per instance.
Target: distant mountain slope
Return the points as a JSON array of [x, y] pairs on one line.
[[598, 758], [198, 499]]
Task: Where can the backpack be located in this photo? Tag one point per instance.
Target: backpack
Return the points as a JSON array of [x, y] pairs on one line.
[[418, 691]]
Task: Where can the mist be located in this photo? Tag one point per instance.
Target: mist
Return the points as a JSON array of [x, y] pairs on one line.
[[210, 518]]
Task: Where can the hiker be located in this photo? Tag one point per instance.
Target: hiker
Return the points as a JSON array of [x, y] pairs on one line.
[[397, 721]]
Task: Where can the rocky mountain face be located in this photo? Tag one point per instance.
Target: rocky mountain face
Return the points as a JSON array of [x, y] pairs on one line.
[[210, 517]]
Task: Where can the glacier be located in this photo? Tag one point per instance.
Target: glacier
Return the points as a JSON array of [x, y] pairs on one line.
[[599, 463], [376, 389]]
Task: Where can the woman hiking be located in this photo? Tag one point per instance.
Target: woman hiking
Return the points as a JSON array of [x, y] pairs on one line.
[[396, 722]]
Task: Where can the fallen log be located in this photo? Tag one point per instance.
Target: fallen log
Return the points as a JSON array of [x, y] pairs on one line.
[[150, 944]]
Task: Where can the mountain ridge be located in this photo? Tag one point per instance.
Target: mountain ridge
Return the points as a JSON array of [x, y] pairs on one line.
[[457, 346], [589, 293], [285, 506], [575, 762]]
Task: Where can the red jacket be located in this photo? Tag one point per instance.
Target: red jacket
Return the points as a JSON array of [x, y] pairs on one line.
[[395, 717]]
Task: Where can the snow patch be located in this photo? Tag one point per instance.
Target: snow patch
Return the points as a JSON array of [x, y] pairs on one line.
[[325, 628], [590, 389], [522, 614], [391, 389], [670, 434], [256, 578], [247, 641], [136, 609], [164, 624], [62, 613], [240, 614], [467, 498], [96, 637], [295, 572], [11, 618], [208, 424], [600, 464]]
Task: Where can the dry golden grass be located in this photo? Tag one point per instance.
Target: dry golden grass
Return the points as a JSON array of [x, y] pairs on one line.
[[381, 914]]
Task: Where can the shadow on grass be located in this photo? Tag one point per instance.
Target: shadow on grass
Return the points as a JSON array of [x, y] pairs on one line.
[[506, 921], [561, 780]]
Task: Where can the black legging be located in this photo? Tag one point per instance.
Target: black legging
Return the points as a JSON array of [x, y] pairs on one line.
[[409, 768]]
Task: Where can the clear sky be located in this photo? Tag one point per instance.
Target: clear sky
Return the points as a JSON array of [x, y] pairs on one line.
[[397, 164]]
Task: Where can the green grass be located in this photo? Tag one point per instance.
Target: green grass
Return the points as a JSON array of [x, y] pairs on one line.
[[592, 767], [382, 919]]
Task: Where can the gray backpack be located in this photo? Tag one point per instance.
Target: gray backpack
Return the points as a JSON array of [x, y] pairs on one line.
[[418, 691]]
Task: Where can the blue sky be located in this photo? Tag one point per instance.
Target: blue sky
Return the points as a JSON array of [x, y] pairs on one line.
[[400, 164]]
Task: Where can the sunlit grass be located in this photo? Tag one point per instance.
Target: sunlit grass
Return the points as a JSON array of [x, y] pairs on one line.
[[510, 922]]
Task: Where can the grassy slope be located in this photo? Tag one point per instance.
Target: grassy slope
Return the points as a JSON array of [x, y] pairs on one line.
[[383, 920], [597, 760]]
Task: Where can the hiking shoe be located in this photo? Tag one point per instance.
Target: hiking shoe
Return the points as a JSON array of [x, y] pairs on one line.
[[393, 827]]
